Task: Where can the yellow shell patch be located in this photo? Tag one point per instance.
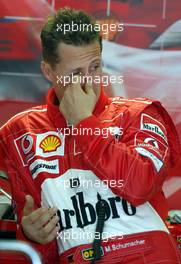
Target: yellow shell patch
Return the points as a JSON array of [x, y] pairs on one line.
[[50, 143]]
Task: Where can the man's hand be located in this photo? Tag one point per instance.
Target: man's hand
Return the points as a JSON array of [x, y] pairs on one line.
[[77, 103], [39, 225]]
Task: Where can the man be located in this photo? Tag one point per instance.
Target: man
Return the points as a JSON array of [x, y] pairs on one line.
[[82, 194]]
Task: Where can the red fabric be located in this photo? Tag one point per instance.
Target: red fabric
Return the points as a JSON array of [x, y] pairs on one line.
[[147, 252], [15, 258], [106, 157], [10, 108], [148, 182], [175, 171]]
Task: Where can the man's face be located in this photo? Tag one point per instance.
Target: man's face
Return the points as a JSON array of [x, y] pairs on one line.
[[77, 60]]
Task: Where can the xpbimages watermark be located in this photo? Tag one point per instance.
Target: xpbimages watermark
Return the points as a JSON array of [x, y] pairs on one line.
[[97, 79], [88, 183], [105, 236], [104, 28], [105, 132]]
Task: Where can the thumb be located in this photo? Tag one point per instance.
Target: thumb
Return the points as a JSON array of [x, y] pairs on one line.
[[29, 205]]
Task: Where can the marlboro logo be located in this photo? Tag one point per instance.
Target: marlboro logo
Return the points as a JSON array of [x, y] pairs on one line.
[[152, 125]]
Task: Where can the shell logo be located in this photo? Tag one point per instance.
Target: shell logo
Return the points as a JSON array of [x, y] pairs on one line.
[[50, 143]]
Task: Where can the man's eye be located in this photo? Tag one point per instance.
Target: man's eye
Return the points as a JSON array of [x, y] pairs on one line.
[[94, 68], [76, 73]]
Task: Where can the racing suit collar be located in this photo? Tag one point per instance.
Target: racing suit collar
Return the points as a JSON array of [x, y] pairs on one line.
[[56, 116]]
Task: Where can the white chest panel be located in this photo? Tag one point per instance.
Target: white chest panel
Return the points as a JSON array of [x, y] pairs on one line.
[[76, 193]]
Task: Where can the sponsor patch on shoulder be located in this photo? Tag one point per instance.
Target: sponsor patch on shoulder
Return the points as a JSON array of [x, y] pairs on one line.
[[44, 145], [152, 125], [152, 144], [151, 147], [40, 165], [144, 152]]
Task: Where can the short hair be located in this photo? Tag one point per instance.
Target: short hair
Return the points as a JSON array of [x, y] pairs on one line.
[[51, 36]]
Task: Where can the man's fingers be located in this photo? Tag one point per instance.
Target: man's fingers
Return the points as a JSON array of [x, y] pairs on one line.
[[45, 217], [29, 205], [41, 224], [34, 216], [88, 88], [46, 230], [52, 235], [78, 86]]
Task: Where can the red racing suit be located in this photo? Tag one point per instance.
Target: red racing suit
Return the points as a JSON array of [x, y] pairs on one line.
[[120, 155]]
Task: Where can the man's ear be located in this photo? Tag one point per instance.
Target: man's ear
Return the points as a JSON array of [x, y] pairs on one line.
[[47, 71]]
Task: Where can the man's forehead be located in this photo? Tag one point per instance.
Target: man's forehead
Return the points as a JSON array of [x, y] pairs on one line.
[[72, 53]]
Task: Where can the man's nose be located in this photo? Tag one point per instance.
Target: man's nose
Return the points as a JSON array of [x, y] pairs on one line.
[[85, 76]]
